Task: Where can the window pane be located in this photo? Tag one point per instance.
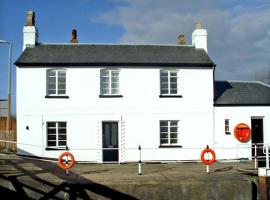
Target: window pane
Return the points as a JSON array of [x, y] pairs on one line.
[[51, 137], [61, 91], [115, 91], [61, 86], [164, 91], [51, 143], [51, 73], [163, 135], [62, 143], [173, 129], [163, 141], [173, 74], [163, 123], [51, 91], [173, 141], [62, 124], [173, 135], [51, 124], [61, 74], [52, 80], [51, 131], [173, 123], [164, 129], [62, 137]]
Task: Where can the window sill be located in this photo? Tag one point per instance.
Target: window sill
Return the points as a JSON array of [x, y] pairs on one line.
[[170, 146], [170, 96], [56, 97], [110, 96], [55, 148]]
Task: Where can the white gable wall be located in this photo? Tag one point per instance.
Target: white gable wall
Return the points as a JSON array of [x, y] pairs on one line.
[[138, 113]]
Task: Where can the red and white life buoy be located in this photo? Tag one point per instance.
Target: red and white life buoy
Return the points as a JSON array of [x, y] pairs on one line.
[[213, 156], [66, 163], [242, 132]]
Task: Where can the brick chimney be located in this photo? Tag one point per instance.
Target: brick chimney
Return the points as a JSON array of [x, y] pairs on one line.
[[30, 32], [181, 39], [74, 36], [199, 37]]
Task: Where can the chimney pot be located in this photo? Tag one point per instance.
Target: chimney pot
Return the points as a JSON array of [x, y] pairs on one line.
[[181, 39], [30, 18], [74, 36]]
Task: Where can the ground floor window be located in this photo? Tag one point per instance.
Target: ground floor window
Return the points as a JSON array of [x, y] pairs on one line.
[[169, 132], [227, 127], [56, 134]]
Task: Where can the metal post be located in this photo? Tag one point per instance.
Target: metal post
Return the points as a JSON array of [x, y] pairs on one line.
[[67, 172], [267, 156], [207, 169], [8, 124], [256, 158], [140, 161]]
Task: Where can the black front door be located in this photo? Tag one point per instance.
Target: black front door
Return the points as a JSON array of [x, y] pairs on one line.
[[110, 141], [257, 137]]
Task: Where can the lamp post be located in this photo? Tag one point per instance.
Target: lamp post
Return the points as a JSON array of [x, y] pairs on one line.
[[8, 124]]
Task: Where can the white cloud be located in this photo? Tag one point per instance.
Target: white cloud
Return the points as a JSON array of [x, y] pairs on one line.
[[239, 34]]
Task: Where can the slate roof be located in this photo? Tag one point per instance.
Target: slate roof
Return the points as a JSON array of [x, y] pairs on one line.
[[235, 93], [113, 55]]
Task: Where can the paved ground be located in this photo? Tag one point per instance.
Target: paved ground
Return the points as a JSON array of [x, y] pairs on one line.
[[26, 178]]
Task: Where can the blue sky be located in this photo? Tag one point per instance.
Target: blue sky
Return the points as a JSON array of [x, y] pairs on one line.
[[238, 31]]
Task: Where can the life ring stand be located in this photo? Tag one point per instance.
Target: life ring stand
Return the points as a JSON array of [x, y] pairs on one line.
[[208, 161], [242, 132], [66, 163]]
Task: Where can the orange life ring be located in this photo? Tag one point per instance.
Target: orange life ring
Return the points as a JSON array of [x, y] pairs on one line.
[[242, 132], [208, 161], [66, 163]]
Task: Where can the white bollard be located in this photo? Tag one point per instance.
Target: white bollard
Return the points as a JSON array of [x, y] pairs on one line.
[[207, 169], [140, 161], [267, 156]]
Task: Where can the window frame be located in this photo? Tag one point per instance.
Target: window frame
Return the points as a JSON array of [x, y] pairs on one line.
[[169, 83], [57, 83], [57, 140], [169, 132], [227, 126], [110, 83]]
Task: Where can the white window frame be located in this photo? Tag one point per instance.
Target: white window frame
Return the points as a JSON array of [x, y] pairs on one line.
[[227, 126], [169, 71], [110, 83], [57, 134], [169, 126], [56, 82]]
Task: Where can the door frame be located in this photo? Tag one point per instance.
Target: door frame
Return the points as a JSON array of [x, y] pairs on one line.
[[260, 146], [118, 140]]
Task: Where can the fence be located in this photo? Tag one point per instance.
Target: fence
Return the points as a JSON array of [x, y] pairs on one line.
[[8, 136]]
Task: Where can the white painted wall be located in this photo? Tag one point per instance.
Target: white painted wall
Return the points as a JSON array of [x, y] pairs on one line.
[[138, 113], [238, 115]]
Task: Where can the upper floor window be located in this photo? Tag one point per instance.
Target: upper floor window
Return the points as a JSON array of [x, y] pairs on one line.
[[56, 82], [168, 82], [109, 82]]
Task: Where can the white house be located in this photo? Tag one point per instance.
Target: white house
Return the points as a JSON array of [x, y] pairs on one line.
[[103, 101]]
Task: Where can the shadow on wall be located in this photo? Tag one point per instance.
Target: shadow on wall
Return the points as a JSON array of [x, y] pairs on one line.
[[25, 179], [220, 88]]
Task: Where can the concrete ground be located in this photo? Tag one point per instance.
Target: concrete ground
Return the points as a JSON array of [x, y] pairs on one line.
[[24, 178]]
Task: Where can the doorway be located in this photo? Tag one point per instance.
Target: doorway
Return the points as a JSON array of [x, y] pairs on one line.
[[110, 141], [257, 137]]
